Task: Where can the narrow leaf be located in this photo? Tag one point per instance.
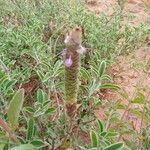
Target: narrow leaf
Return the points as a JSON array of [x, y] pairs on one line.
[[93, 87], [103, 133], [38, 143], [100, 126], [94, 138], [140, 99], [111, 134], [50, 110], [2, 146], [40, 96], [3, 79], [24, 147], [102, 68], [9, 84], [15, 107], [29, 109], [30, 129], [110, 86], [106, 77], [84, 74], [116, 146]]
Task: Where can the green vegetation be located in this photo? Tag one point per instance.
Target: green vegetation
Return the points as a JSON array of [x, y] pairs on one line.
[[32, 34]]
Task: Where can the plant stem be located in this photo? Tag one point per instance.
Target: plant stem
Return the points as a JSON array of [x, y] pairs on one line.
[[109, 117]]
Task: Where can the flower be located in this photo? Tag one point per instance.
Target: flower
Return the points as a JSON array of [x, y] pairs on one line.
[[81, 50], [68, 62]]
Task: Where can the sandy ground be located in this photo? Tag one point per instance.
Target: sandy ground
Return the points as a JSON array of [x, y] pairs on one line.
[[136, 8]]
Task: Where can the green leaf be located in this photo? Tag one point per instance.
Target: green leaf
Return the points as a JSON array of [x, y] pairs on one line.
[[46, 103], [57, 69], [102, 68], [103, 133], [110, 86], [41, 96], [111, 134], [106, 142], [124, 94], [50, 110], [38, 113], [116, 146], [84, 74], [93, 87], [140, 99], [6, 146], [3, 79], [24, 147], [30, 129], [94, 138], [120, 106], [39, 73], [100, 126], [81, 147], [38, 143], [15, 107], [21, 139], [9, 84], [106, 77], [93, 148], [2, 74], [136, 112], [46, 77], [2, 146], [29, 109], [95, 72]]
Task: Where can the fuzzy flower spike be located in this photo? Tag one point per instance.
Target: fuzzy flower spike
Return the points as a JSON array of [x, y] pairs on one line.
[[72, 67]]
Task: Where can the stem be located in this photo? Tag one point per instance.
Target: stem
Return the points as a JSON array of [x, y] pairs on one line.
[[7, 129], [108, 120]]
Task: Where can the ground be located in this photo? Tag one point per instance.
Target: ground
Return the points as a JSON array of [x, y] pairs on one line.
[[131, 71]]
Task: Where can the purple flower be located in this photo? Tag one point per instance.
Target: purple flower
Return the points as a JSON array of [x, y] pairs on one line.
[[81, 49], [68, 62]]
